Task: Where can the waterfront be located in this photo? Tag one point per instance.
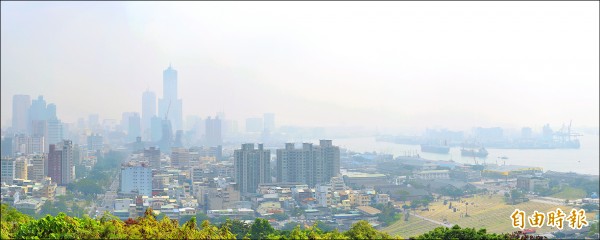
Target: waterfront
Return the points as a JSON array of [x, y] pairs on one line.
[[585, 160]]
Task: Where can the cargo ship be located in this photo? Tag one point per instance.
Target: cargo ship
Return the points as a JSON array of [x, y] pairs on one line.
[[482, 152], [431, 148]]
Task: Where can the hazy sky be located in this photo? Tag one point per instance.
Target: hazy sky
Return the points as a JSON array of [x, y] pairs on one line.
[[384, 64]]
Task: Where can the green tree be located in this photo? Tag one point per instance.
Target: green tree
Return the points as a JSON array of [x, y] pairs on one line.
[[11, 219], [457, 232], [239, 228], [280, 216], [261, 228], [363, 230]]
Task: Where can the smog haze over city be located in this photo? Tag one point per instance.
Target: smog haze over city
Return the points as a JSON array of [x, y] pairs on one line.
[[297, 120], [391, 66]]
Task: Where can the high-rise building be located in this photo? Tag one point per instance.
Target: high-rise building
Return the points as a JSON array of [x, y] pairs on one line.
[[252, 167], [7, 170], [254, 125], [51, 112], [39, 167], [54, 131], [148, 111], [213, 132], [7, 147], [21, 104], [67, 164], [136, 179], [124, 124], [78, 154], [269, 122], [21, 168], [55, 164], [170, 101], [180, 157], [152, 155], [29, 145], [94, 122], [166, 139], [95, 142], [37, 112], [311, 164], [134, 127], [155, 129]]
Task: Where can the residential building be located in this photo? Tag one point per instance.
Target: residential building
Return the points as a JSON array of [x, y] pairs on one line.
[[54, 164], [252, 167], [311, 164], [8, 170], [39, 164], [67, 164], [136, 179], [21, 168], [152, 155], [180, 158]]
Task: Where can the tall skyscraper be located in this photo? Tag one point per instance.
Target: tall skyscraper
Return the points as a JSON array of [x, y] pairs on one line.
[[213, 132], [170, 100], [311, 164], [252, 167], [21, 104], [269, 121], [148, 111]]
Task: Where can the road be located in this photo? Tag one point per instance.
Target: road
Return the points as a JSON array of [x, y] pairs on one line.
[[108, 198]]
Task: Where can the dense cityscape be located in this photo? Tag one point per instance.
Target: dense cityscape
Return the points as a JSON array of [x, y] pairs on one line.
[[205, 169], [300, 120]]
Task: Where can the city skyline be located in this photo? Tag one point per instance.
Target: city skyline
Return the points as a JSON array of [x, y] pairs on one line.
[[377, 77]]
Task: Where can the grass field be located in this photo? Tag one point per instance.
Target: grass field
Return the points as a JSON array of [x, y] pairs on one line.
[[570, 193], [492, 214], [414, 226]]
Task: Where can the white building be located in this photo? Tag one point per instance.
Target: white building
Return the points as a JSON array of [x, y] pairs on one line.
[[136, 179]]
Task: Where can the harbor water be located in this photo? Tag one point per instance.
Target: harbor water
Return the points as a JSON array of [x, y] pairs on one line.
[[585, 160]]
